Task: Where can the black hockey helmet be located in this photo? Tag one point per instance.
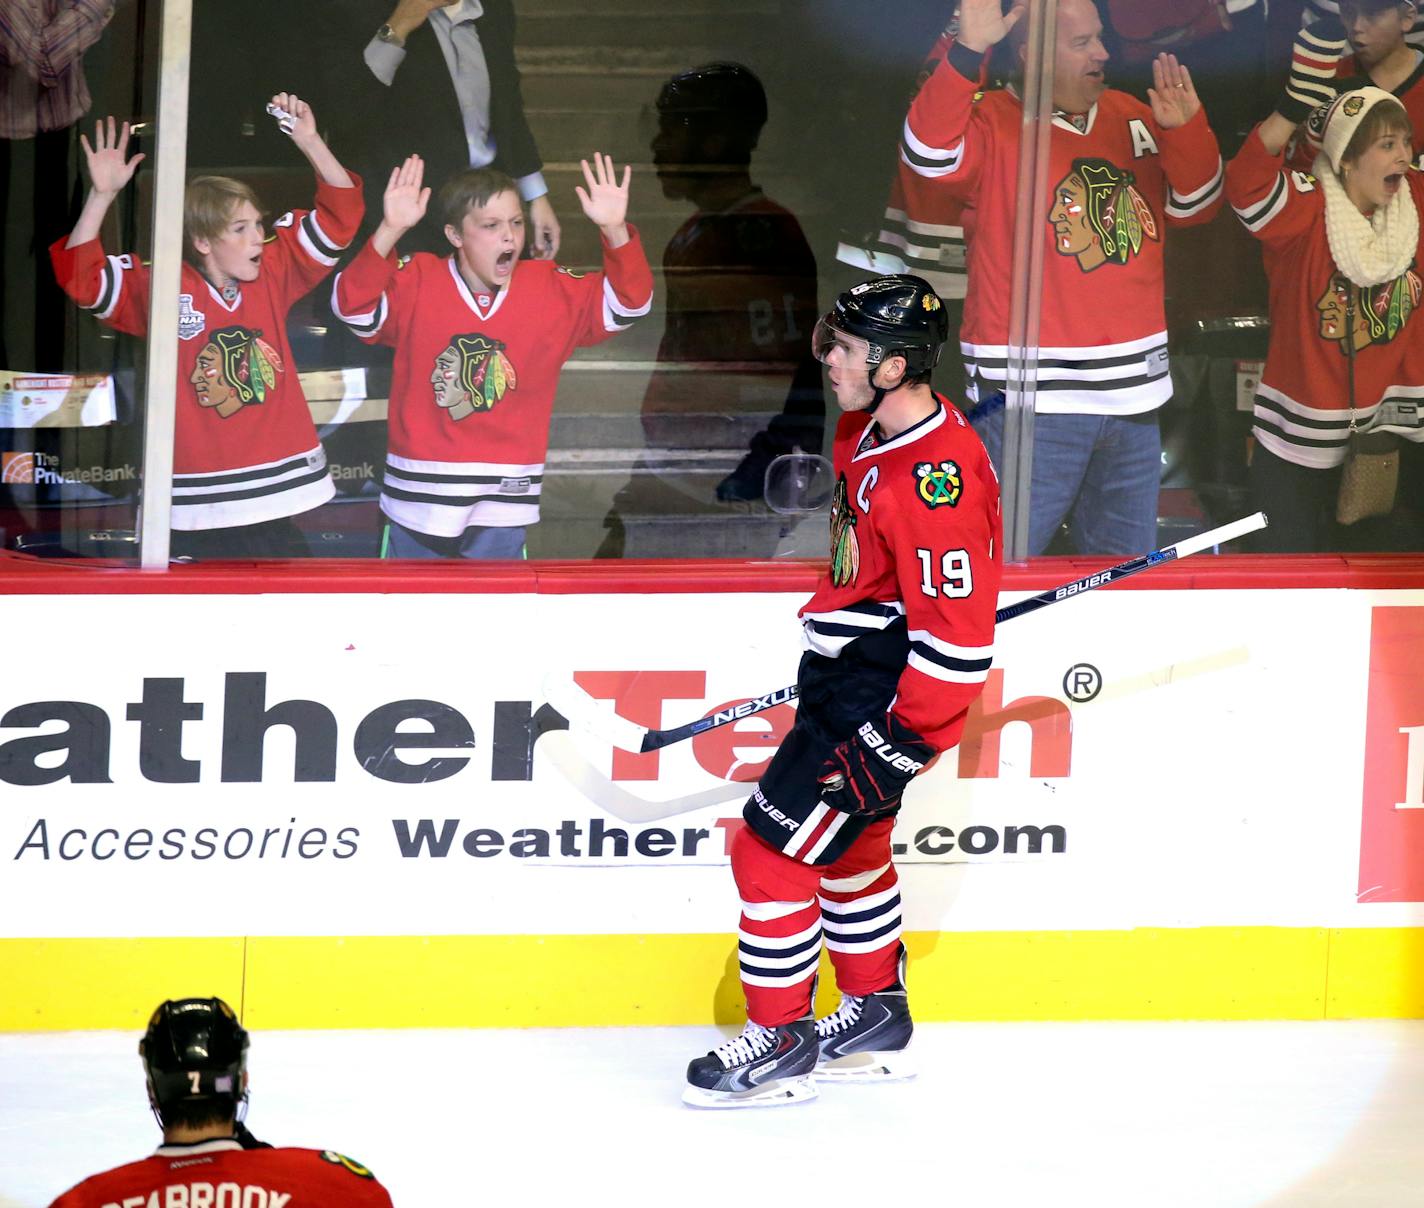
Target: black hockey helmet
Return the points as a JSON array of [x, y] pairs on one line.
[[897, 315], [721, 94], [194, 1050]]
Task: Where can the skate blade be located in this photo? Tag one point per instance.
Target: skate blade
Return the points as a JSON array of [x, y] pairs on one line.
[[780, 1094], [867, 1067]]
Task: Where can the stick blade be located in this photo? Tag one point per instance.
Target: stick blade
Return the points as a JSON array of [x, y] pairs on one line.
[[584, 713]]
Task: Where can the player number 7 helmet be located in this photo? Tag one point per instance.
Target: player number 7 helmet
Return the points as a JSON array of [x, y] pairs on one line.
[[194, 1049]]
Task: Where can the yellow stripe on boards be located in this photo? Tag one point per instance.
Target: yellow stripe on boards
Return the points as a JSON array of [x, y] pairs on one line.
[[63, 985], [663, 980], [1376, 973]]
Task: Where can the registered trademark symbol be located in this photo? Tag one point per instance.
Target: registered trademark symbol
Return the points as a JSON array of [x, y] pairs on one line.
[[1082, 682]]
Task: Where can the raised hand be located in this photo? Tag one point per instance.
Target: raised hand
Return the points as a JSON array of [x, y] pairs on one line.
[[605, 201], [983, 23], [110, 169], [303, 120], [406, 195], [1173, 95]]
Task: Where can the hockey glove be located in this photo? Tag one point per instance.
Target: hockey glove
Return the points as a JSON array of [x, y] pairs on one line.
[[1318, 49], [868, 773]]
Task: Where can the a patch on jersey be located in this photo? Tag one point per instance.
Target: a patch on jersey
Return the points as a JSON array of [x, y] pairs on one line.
[[401, 262], [576, 274], [337, 1159], [1098, 216], [236, 368], [869, 440], [1379, 311], [845, 548], [191, 321], [472, 374], [938, 485]]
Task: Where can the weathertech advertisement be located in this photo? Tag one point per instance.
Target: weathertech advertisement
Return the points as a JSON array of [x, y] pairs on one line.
[[327, 764]]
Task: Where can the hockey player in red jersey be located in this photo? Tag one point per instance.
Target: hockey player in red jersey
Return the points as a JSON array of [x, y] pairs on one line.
[[195, 1060], [1121, 172], [899, 640], [246, 455], [1341, 251], [480, 338]]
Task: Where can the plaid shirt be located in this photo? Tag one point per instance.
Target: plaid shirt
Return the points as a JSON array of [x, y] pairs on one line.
[[42, 44]]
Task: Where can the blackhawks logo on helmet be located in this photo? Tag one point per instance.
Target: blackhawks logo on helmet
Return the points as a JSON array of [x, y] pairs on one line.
[[845, 549], [938, 485], [472, 374]]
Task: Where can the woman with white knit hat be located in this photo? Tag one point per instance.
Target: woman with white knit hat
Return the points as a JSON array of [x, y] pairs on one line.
[[1341, 253]]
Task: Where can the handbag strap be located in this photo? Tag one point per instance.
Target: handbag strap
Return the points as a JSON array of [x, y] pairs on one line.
[[1350, 296]]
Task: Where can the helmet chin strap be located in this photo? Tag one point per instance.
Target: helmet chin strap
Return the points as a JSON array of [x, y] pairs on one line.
[[877, 393]]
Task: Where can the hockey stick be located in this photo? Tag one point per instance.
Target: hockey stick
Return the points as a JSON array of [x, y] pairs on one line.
[[583, 711], [613, 798]]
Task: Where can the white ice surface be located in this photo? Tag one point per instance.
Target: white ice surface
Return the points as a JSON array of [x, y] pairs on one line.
[[1206, 1115]]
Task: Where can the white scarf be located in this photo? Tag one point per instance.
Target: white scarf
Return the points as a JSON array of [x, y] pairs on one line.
[[1373, 250]]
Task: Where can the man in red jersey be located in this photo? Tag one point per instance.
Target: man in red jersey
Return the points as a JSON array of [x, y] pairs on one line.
[[899, 640], [195, 1059], [1121, 172]]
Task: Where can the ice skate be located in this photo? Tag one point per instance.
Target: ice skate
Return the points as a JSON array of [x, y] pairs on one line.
[[763, 1067], [865, 1039]]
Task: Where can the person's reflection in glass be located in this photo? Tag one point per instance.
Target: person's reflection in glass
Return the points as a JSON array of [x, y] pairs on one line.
[[741, 302]]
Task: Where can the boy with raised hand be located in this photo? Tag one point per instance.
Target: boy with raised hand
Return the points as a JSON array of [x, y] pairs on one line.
[[246, 453], [480, 338]]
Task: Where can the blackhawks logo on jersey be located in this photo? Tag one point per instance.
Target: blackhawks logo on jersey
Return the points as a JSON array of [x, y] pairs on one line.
[[938, 485], [472, 374], [1373, 314], [1098, 216], [340, 1159], [845, 549], [234, 369]]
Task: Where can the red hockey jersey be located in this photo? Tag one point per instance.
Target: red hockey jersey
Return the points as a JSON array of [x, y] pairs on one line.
[[216, 1174], [923, 228], [1302, 403], [915, 534], [245, 448], [1117, 183], [473, 386]]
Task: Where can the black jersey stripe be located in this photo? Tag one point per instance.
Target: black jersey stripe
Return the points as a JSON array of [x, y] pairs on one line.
[[473, 480], [948, 661], [275, 488], [793, 974]]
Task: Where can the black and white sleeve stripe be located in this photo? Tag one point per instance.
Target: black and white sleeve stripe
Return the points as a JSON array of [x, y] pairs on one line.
[[1257, 216], [1184, 205], [111, 286], [365, 324], [948, 662], [617, 315], [316, 242], [927, 161]]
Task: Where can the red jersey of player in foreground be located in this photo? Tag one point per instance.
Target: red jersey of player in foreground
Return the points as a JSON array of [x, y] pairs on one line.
[[221, 1174]]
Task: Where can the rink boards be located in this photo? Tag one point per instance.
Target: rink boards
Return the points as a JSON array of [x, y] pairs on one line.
[[347, 808]]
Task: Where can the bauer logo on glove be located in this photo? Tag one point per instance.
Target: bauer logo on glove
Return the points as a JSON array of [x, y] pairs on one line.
[[868, 774]]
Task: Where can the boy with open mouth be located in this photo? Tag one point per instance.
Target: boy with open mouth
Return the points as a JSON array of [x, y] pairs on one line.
[[480, 339]]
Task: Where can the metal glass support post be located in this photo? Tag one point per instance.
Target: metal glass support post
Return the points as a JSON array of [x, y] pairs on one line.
[[161, 376], [1030, 215]]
